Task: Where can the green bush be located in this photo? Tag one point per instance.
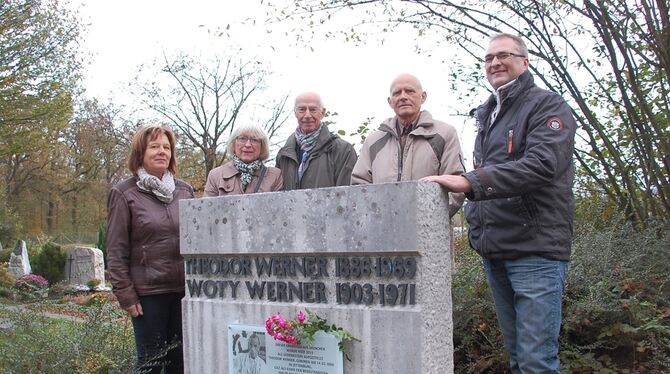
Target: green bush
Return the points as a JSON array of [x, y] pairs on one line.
[[616, 301], [100, 342], [50, 263], [92, 283], [5, 254], [616, 314], [6, 278], [34, 250]]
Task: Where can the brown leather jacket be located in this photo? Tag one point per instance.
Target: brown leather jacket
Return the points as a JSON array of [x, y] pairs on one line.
[[225, 180], [142, 242]]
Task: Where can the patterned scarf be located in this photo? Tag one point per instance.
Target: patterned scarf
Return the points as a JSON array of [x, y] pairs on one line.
[[246, 170], [161, 188], [307, 142]]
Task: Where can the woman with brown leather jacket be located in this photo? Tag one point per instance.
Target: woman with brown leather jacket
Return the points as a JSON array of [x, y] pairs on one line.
[[142, 242]]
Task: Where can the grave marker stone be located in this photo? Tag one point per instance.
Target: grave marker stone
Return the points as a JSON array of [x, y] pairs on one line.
[[19, 263], [83, 264], [372, 259]]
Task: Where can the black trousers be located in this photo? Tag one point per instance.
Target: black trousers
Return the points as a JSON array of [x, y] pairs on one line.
[[158, 335]]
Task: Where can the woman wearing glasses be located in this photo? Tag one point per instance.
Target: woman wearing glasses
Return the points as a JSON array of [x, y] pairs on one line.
[[245, 173]]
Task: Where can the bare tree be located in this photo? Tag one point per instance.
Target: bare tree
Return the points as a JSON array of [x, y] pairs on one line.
[[610, 59], [204, 101]]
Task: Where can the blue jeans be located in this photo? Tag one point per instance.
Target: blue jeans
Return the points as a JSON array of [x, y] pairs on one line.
[[528, 293], [158, 329]]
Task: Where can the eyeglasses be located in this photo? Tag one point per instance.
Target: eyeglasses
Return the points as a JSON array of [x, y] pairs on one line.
[[245, 139], [311, 110], [502, 56]]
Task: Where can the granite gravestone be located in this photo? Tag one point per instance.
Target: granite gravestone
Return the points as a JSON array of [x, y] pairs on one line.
[[372, 259], [82, 265], [19, 264]]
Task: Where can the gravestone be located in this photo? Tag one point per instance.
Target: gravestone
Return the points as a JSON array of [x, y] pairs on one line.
[[19, 264], [374, 260], [82, 264]]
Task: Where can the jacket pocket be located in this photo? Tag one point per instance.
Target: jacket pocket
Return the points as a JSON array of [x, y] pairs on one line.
[[158, 270], [227, 186], [509, 224]]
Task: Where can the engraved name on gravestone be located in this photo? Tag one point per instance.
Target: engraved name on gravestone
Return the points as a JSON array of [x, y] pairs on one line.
[[360, 279]]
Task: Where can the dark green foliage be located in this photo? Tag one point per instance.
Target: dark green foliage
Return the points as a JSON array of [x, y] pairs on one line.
[[616, 315], [6, 278], [50, 263], [617, 304], [93, 283], [5, 254], [34, 250]]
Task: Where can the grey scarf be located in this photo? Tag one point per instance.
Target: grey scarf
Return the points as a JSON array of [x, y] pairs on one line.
[[161, 188]]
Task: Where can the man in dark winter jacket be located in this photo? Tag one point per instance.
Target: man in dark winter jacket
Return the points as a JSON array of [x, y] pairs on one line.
[[521, 204], [313, 157]]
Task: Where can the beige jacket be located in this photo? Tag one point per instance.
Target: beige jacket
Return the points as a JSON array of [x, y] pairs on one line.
[[225, 180], [432, 148]]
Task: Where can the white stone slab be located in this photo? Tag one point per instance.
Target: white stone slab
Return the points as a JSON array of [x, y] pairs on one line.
[[372, 259]]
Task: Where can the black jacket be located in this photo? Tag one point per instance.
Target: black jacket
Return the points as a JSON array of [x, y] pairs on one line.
[[521, 201], [330, 163]]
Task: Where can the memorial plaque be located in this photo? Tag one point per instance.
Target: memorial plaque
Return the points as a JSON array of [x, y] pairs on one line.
[[374, 260], [322, 357]]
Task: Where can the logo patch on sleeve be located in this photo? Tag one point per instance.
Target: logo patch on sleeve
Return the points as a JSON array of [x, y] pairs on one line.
[[555, 123]]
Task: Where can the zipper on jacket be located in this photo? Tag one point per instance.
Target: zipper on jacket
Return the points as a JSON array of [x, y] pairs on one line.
[[399, 161], [510, 146]]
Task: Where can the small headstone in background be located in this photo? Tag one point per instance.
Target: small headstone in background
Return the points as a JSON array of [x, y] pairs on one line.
[[82, 264], [19, 264]]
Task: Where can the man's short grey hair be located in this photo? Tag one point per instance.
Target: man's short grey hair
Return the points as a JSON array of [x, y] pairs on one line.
[[520, 44], [295, 102], [255, 131]]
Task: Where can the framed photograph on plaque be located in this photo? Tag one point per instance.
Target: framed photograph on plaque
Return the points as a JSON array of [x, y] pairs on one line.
[[247, 350]]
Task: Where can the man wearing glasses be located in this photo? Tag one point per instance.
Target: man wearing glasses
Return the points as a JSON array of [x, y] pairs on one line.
[[521, 204], [313, 157]]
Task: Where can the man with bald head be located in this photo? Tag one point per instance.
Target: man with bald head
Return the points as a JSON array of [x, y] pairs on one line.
[[411, 145], [313, 157]]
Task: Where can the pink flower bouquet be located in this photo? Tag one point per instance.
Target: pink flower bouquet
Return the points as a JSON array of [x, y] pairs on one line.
[[301, 329]]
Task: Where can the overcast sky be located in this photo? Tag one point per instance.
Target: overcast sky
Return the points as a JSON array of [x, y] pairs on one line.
[[352, 80]]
